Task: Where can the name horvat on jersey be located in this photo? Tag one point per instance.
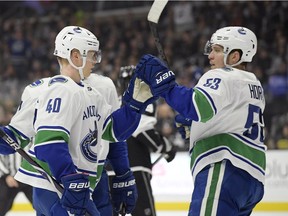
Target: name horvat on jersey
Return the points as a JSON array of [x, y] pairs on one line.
[[164, 76], [256, 92], [90, 112]]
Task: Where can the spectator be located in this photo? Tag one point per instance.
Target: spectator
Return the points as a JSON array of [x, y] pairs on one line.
[[282, 143]]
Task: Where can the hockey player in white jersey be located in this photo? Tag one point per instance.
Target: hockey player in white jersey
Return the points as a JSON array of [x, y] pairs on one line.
[[71, 112], [22, 123], [227, 131], [118, 157]]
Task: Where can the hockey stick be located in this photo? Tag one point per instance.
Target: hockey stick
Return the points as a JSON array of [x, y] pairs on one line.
[[123, 210], [153, 18], [158, 159], [34, 164]]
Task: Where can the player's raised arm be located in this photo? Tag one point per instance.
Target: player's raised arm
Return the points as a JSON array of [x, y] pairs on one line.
[[124, 121]]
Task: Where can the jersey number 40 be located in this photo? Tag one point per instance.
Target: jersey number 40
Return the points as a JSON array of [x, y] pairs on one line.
[[53, 105]]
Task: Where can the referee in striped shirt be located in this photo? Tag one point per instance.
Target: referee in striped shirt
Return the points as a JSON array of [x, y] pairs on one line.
[[9, 187]]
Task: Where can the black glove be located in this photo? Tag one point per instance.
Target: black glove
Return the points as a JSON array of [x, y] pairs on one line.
[[170, 150]]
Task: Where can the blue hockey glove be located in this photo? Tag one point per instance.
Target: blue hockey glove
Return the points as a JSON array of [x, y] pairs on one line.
[[5, 148], [124, 193], [183, 126], [138, 95], [57, 209], [93, 211], [156, 74], [76, 193]]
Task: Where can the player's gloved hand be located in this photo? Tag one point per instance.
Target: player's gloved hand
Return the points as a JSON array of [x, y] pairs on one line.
[[183, 126], [76, 193], [57, 209], [5, 148], [170, 150], [124, 193], [92, 209], [156, 74], [138, 95]]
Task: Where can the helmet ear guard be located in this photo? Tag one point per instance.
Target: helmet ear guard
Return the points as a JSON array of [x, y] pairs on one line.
[[81, 39], [234, 38]]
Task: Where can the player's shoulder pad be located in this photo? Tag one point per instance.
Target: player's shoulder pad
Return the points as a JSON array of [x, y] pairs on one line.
[[222, 73], [227, 69], [101, 82], [57, 79], [219, 70], [101, 78]]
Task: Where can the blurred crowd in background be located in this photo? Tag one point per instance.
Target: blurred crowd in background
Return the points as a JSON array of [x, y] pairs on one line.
[[28, 30]]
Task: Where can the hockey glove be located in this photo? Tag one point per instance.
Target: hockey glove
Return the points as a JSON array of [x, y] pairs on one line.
[[170, 150], [5, 148], [156, 74], [183, 126], [138, 95], [124, 193], [76, 193], [93, 211], [57, 209]]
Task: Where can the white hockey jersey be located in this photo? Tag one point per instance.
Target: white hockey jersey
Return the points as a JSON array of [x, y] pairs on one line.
[[73, 111], [106, 87], [230, 105]]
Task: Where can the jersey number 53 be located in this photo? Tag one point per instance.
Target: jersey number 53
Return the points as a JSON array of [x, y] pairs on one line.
[[255, 128]]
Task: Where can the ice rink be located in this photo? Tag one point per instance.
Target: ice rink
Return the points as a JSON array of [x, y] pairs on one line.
[[162, 213], [172, 188], [22, 201]]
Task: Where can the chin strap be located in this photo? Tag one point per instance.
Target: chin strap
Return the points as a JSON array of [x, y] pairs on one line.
[[80, 69]]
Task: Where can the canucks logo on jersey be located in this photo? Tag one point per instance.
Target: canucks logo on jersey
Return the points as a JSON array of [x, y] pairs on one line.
[[36, 83], [57, 80], [91, 139]]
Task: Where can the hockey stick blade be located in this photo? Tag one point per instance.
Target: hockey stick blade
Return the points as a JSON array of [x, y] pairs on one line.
[[158, 159], [123, 209], [153, 18], [156, 10]]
